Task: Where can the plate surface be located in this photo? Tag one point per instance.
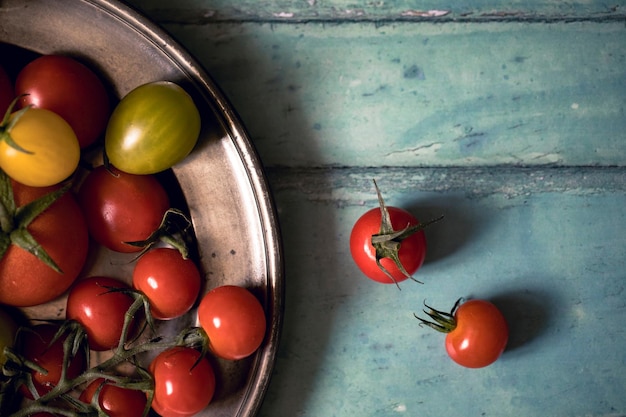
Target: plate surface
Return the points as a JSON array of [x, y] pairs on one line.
[[222, 182]]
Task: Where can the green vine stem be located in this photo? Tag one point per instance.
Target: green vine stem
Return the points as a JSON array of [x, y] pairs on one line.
[[75, 340]]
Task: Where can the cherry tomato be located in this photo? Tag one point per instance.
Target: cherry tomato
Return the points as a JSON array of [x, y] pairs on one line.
[[8, 327], [154, 127], [68, 88], [476, 332], [170, 282], [182, 387], [7, 93], [37, 348], [114, 400], [234, 321], [412, 250], [49, 149], [480, 336], [100, 311], [62, 232], [121, 207]]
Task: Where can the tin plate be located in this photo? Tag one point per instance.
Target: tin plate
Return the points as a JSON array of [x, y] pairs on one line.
[[221, 183]]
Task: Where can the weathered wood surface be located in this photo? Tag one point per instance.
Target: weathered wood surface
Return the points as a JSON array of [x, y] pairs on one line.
[[202, 11], [507, 117], [551, 259]]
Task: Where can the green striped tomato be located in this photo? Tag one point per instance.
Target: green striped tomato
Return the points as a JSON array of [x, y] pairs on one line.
[[154, 127]]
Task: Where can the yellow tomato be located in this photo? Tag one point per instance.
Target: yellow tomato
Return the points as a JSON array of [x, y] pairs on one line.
[[47, 150], [7, 333]]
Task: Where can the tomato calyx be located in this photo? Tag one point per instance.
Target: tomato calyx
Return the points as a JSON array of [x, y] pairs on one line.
[[195, 337], [140, 301], [14, 221], [387, 241], [441, 321], [172, 231], [8, 122]]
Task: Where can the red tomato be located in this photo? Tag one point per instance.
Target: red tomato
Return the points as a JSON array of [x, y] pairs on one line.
[[170, 282], [480, 336], [181, 387], [7, 93], [122, 207], [37, 348], [412, 250], [100, 311], [62, 231], [476, 332], [116, 401], [234, 321], [68, 88]]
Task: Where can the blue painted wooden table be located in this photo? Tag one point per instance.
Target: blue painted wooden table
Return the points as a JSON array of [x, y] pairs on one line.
[[506, 117]]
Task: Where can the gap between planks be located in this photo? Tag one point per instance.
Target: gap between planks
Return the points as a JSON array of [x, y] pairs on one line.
[[510, 181]]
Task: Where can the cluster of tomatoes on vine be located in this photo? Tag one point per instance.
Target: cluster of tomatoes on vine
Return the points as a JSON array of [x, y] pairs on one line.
[[388, 245], [54, 207]]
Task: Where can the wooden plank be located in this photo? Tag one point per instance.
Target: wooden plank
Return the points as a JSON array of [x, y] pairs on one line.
[[202, 11], [407, 94], [551, 258]]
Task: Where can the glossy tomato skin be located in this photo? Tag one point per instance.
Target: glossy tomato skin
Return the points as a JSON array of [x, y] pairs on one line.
[[181, 387], [412, 250], [480, 336], [7, 93], [68, 88], [62, 232], [37, 348], [8, 328], [100, 311], [170, 282], [114, 400], [121, 207], [154, 127], [53, 150], [234, 321]]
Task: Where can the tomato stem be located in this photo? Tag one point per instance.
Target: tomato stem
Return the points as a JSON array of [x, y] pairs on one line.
[[172, 231], [387, 241], [56, 411], [441, 321], [18, 368], [9, 120]]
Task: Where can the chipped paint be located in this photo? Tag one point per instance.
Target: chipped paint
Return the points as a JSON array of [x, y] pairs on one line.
[[425, 13], [284, 15], [354, 12], [400, 408]]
